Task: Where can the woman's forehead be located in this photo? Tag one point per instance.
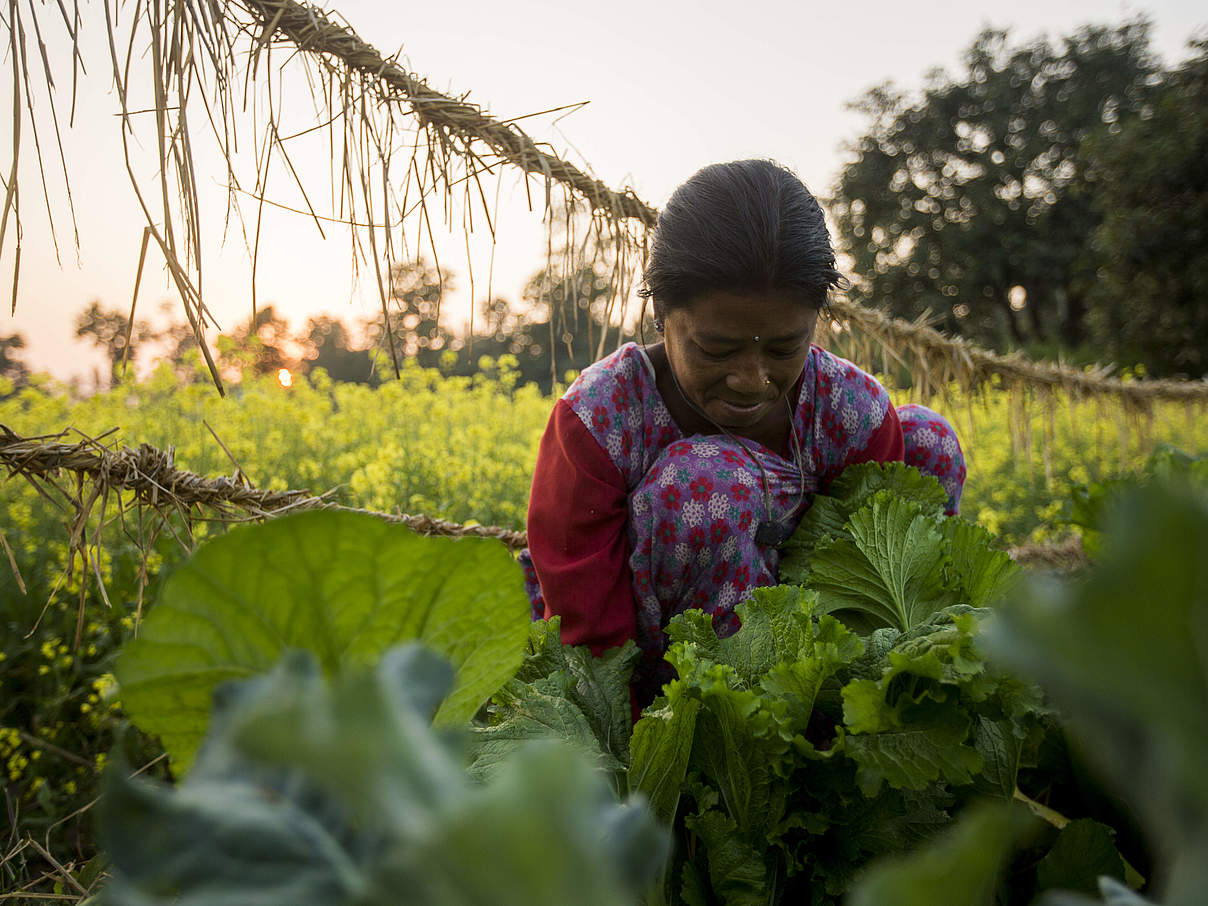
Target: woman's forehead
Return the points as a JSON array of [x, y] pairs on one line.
[[726, 316]]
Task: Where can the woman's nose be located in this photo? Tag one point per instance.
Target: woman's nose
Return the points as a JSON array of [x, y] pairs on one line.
[[749, 377]]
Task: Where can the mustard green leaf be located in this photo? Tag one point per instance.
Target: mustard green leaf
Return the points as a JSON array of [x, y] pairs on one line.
[[961, 866], [919, 750], [858, 483], [561, 692], [1000, 749], [696, 627], [736, 751], [528, 711], [797, 680], [660, 751], [739, 873], [824, 520], [828, 515], [865, 709], [983, 573], [775, 623], [891, 570], [1084, 851]]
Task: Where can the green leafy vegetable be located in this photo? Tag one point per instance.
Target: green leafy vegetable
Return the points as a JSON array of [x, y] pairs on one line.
[[1124, 654], [879, 551], [811, 751], [341, 585], [318, 794], [963, 866], [891, 571], [1085, 850], [564, 693]]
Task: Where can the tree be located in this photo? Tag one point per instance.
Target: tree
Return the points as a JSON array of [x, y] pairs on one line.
[[11, 366], [1148, 182], [568, 315], [967, 203], [329, 346], [117, 336], [260, 345], [413, 329]]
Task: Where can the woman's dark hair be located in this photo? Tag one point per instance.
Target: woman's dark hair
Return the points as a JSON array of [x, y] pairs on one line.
[[744, 226]]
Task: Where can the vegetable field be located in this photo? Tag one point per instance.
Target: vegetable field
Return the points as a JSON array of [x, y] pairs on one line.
[[204, 700], [884, 702]]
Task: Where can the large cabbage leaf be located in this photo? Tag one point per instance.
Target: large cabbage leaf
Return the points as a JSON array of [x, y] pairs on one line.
[[344, 586]]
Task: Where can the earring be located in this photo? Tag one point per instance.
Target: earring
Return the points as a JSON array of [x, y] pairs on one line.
[[658, 325]]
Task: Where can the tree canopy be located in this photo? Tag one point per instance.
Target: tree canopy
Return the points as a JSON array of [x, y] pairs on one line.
[[972, 203], [1148, 184]]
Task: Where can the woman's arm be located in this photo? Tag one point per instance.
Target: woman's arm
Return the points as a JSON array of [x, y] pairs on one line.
[[578, 510]]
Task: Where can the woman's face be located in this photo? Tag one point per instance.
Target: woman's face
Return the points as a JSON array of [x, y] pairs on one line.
[[736, 355]]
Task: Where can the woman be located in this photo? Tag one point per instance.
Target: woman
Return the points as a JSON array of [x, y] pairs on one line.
[[668, 474]]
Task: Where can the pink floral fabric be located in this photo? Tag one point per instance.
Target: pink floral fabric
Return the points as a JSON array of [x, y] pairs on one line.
[[932, 447]]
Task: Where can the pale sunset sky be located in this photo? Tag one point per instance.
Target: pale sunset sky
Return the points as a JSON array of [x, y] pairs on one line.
[[672, 85]]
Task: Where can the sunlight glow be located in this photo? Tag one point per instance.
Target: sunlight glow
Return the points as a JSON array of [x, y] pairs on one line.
[[285, 379]]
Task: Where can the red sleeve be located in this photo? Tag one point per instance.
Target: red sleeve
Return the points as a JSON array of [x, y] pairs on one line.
[[886, 443], [577, 516]]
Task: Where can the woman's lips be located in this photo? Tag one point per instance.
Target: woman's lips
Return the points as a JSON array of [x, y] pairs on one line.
[[741, 411]]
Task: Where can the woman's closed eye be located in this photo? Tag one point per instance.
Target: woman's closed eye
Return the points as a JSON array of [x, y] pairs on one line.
[[717, 353], [785, 351]]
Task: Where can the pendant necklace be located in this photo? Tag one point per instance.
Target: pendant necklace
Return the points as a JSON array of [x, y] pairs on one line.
[[770, 532]]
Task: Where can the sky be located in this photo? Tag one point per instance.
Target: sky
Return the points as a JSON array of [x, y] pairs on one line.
[[670, 86]]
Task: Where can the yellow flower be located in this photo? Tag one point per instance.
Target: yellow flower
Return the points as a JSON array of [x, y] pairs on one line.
[[105, 685]]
